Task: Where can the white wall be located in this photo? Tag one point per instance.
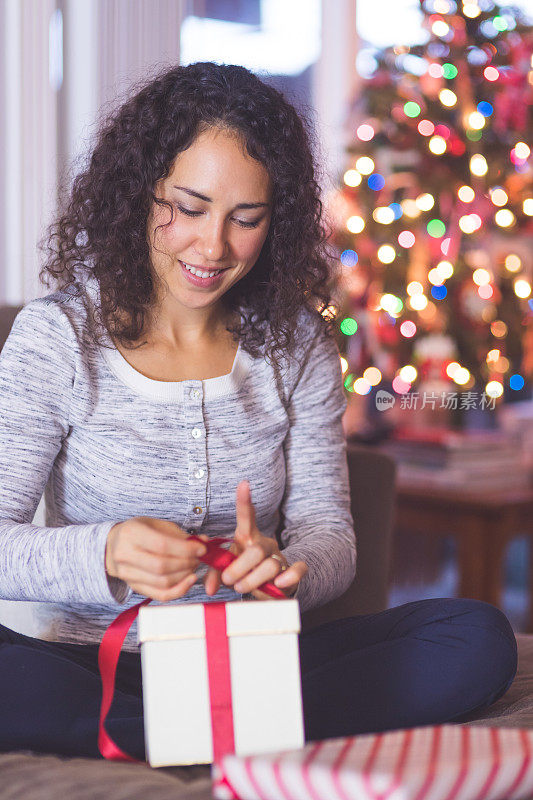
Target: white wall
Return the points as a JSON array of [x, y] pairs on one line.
[[28, 140]]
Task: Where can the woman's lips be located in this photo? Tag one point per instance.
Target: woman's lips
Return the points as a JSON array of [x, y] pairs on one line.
[[197, 281]]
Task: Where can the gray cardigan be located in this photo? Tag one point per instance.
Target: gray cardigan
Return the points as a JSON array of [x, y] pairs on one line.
[[106, 443]]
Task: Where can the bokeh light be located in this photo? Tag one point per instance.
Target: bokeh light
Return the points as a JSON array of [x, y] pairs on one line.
[[494, 389], [512, 262], [485, 108], [397, 209], [386, 254], [425, 201], [522, 288], [478, 165], [445, 270], [435, 70], [440, 28], [418, 302], [360, 386], [481, 276], [486, 291], [461, 376], [425, 127], [391, 303], [408, 329], [348, 326], [476, 121], [365, 132], [352, 177], [414, 287], [466, 194], [408, 373], [449, 71], [437, 145], [412, 109], [376, 182], [491, 73], [516, 382], [410, 208], [452, 368], [399, 386], [372, 375], [383, 215], [355, 224], [406, 238], [498, 328], [349, 258], [439, 292], [498, 195], [365, 165], [522, 150], [471, 10], [436, 228], [504, 217], [447, 97]]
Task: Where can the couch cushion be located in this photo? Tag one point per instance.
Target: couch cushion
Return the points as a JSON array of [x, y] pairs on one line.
[[515, 708]]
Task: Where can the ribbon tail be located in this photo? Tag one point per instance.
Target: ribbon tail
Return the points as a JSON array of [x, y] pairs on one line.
[[108, 655]]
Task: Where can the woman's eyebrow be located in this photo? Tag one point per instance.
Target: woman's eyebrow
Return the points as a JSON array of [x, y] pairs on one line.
[[209, 199]]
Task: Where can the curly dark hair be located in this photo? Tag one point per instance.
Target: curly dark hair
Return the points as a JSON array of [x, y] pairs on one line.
[[100, 232]]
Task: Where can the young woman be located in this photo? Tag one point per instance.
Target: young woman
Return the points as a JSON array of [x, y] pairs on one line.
[[182, 378]]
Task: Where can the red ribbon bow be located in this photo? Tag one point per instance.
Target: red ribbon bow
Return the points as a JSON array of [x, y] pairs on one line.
[[113, 639]]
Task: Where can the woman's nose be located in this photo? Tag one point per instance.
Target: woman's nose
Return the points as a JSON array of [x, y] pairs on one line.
[[212, 245]]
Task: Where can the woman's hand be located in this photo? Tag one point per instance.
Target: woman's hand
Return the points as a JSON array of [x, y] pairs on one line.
[[154, 556], [253, 565]]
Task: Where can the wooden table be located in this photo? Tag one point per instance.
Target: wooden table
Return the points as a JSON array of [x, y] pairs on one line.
[[482, 522]]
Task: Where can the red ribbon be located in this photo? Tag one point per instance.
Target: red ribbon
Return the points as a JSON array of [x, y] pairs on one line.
[[216, 643], [219, 675]]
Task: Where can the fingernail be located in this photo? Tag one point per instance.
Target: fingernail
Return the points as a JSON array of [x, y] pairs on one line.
[[200, 551], [238, 587]]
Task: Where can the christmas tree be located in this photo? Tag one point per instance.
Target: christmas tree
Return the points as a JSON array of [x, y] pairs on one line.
[[434, 217]]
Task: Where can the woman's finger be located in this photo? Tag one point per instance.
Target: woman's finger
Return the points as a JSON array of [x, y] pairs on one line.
[[251, 557], [268, 569], [158, 564], [212, 581], [165, 595], [245, 513], [134, 574], [292, 575]]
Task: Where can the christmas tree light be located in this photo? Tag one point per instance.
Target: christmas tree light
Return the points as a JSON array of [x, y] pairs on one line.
[[438, 194]]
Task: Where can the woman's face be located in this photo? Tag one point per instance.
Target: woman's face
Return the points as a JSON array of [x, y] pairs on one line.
[[222, 208]]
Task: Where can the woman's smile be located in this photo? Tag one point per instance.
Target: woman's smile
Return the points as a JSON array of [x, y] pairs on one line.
[[197, 280]]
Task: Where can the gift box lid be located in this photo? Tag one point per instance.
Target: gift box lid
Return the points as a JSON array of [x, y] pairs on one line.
[[186, 620]]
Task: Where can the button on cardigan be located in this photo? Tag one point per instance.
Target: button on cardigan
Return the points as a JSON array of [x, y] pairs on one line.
[[105, 444]]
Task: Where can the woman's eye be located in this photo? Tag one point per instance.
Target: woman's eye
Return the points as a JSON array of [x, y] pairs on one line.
[[189, 213]]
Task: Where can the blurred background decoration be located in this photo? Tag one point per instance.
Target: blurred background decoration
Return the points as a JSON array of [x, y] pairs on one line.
[[433, 216]]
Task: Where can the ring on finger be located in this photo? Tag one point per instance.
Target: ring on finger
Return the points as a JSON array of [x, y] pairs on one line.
[[280, 561]]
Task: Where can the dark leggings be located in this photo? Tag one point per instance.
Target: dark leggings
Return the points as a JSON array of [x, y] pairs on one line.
[[426, 662]]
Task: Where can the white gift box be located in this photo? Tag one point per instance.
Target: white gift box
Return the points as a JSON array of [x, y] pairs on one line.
[[435, 762], [180, 673]]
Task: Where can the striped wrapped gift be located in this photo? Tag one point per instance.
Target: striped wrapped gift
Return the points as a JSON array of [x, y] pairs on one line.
[[434, 762]]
